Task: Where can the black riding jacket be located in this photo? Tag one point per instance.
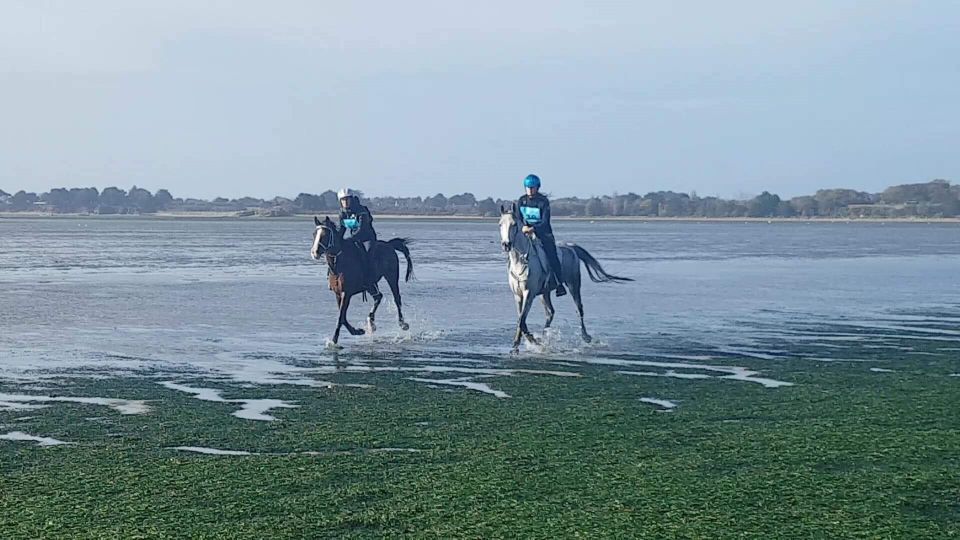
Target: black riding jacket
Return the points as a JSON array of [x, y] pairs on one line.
[[358, 215]]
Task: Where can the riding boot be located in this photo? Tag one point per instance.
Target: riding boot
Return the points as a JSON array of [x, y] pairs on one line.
[[561, 290], [370, 273], [550, 248]]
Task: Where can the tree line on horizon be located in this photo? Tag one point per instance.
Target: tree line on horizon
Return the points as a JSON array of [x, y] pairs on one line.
[[937, 198]]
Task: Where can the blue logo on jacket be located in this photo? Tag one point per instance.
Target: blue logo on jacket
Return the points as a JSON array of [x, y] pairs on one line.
[[531, 215]]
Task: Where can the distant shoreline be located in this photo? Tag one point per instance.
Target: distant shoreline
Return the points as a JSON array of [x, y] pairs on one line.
[[386, 217]]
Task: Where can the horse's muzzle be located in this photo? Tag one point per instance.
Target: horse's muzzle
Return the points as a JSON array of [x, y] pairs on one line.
[[507, 246]]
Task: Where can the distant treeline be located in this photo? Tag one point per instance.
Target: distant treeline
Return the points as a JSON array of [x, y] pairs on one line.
[[932, 199]]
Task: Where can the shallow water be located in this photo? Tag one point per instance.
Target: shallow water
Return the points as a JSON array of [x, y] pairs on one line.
[[241, 302], [251, 409], [19, 436], [664, 404], [122, 406]]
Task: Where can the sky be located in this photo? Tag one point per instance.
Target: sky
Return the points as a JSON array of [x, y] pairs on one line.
[[233, 98]]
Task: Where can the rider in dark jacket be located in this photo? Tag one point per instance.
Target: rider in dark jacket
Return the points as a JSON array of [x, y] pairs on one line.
[[534, 210], [356, 222]]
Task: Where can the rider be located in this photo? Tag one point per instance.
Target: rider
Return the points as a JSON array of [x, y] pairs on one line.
[[534, 210], [356, 222]]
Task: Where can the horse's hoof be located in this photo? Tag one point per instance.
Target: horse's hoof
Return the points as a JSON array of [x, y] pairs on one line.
[[515, 351], [404, 326], [587, 338], [371, 326], [358, 332]]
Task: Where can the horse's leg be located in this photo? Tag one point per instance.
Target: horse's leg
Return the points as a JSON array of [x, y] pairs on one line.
[[377, 298], [340, 316], [548, 307], [394, 281], [373, 313], [344, 306], [575, 293], [527, 304], [519, 334]]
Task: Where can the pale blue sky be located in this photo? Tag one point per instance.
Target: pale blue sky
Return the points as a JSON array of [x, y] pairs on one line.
[[264, 98]]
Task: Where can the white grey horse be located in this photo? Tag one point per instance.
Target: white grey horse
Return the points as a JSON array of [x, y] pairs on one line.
[[528, 273]]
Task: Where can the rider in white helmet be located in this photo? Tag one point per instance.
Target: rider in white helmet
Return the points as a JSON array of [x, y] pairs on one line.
[[357, 223]]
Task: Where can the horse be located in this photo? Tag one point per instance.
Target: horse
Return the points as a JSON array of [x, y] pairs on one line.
[[346, 276], [528, 271]]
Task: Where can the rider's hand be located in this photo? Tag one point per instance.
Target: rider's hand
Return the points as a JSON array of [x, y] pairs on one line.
[[527, 229]]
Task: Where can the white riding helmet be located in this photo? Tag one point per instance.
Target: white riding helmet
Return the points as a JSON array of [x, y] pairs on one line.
[[346, 192]]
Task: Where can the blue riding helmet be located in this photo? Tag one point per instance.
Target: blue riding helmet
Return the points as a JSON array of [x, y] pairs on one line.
[[531, 181]]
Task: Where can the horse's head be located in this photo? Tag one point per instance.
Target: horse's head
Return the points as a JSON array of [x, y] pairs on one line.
[[325, 238], [508, 227]]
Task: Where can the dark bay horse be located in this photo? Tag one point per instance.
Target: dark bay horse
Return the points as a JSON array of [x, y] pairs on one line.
[[345, 261]]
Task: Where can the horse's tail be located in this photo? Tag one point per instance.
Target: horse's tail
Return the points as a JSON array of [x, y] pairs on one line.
[[596, 272], [400, 244]]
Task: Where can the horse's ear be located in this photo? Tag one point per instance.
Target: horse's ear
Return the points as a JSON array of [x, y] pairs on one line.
[[503, 209], [316, 221]]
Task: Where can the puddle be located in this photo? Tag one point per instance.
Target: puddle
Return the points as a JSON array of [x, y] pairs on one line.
[[212, 451], [734, 373], [749, 353], [882, 370], [250, 409], [670, 373], [41, 441], [122, 406], [456, 369], [666, 405], [464, 382], [218, 452], [15, 406]]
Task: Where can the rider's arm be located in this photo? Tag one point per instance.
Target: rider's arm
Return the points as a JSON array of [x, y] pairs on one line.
[[364, 220], [521, 202], [544, 226]]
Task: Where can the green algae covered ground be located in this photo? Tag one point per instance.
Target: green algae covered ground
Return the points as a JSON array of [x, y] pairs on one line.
[[845, 452]]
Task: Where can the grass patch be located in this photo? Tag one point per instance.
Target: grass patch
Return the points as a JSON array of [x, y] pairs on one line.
[[845, 452]]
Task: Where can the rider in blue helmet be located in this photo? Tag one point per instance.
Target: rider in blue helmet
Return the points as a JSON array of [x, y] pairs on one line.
[[356, 222], [534, 210]]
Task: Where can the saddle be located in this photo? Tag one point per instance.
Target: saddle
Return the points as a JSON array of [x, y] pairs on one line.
[[544, 265]]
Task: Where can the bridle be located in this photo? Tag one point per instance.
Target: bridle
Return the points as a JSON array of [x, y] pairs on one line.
[[524, 256], [326, 247]]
